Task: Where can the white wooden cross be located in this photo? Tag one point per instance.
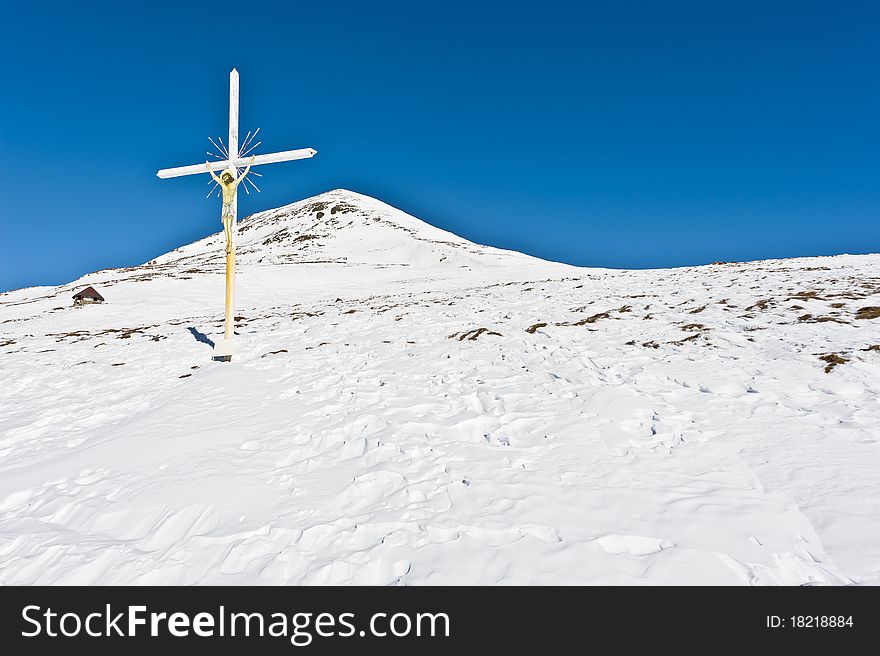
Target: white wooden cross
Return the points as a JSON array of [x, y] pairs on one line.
[[233, 161]]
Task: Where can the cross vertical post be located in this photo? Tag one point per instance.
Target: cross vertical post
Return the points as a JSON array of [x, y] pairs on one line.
[[229, 328]]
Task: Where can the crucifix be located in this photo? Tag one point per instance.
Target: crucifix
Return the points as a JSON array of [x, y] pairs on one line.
[[230, 159]]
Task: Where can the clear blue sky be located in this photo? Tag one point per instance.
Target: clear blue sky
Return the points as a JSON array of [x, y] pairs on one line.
[[623, 134]]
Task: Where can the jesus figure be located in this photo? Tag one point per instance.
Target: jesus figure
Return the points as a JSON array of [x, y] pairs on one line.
[[228, 182]]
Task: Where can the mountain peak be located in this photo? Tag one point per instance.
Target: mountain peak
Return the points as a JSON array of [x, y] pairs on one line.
[[341, 227]]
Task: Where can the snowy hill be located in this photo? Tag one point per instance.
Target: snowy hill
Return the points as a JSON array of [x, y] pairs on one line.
[[343, 227], [409, 407]]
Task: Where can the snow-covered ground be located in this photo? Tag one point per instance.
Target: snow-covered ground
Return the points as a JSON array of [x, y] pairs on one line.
[[623, 427]]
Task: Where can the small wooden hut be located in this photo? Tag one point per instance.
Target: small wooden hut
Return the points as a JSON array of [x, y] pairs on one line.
[[87, 295]]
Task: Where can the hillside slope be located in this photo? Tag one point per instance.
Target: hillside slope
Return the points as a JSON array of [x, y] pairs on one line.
[[408, 407]]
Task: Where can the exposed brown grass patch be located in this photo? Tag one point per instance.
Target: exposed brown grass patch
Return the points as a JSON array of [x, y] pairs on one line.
[[531, 329], [833, 359], [763, 304], [120, 333], [342, 208], [316, 207], [276, 237], [592, 319], [870, 312], [811, 295], [472, 335], [82, 334], [809, 318], [685, 340]]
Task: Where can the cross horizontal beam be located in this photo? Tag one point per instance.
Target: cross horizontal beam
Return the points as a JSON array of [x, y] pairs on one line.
[[240, 162]]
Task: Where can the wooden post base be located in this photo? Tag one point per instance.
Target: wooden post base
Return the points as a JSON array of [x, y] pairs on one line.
[[222, 350]]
